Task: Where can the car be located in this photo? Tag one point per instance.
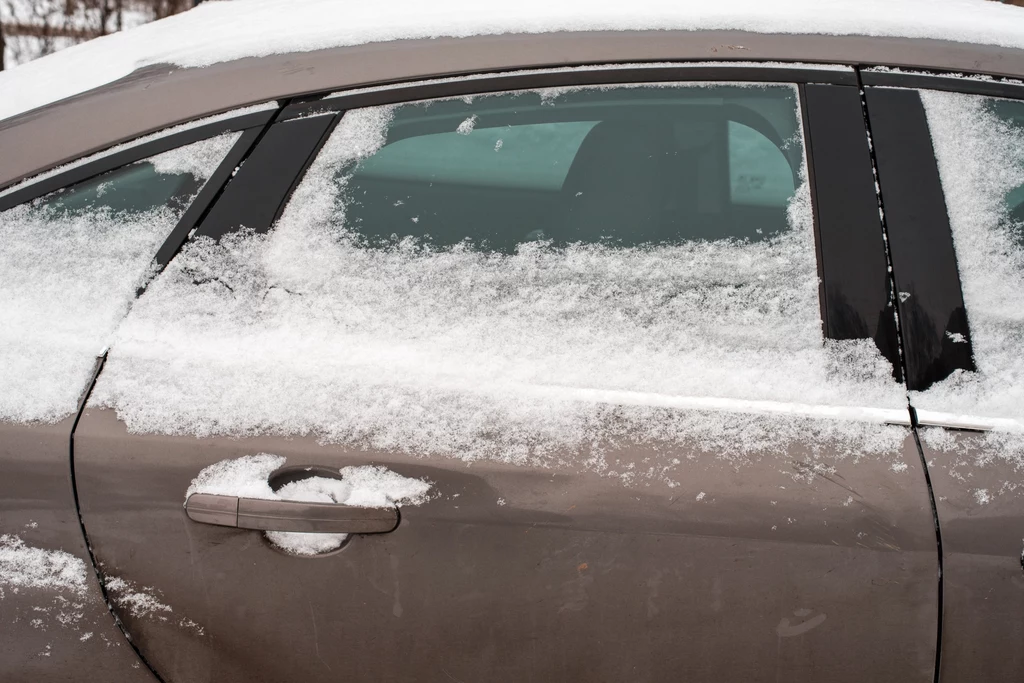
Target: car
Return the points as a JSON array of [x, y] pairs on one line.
[[650, 353]]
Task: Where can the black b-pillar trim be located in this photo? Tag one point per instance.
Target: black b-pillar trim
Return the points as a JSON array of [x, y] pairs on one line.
[[933, 321], [257, 194], [851, 247]]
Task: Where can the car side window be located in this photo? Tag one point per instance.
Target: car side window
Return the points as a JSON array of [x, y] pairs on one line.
[[621, 166], [70, 265], [510, 275], [979, 148]]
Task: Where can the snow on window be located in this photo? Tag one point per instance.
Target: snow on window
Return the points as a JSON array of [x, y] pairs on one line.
[[24, 566], [979, 146], [542, 353], [363, 486], [69, 268]]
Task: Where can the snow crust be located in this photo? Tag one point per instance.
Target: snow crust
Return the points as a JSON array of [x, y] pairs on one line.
[[531, 357], [222, 31], [24, 566], [980, 156], [362, 486], [67, 279]]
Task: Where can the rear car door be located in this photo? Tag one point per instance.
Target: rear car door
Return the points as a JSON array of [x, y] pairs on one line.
[[959, 234], [584, 372], [76, 245]]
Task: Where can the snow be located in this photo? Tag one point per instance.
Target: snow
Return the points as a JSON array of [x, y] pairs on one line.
[[138, 602], [362, 486], [980, 153], [545, 353], [24, 566], [67, 278], [222, 31]]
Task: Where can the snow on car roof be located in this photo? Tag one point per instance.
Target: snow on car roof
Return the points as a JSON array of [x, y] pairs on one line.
[[224, 31]]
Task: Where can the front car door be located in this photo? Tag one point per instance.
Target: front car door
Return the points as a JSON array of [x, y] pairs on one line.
[[572, 341]]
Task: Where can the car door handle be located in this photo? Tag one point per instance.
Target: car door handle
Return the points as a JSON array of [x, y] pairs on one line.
[[289, 515]]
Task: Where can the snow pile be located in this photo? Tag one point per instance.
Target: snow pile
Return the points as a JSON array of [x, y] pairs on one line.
[[364, 486], [22, 566], [222, 31], [66, 280], [523, 357], [980, 153]]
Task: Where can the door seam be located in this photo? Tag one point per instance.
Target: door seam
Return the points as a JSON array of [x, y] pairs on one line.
[[100, 362], [903, 365]]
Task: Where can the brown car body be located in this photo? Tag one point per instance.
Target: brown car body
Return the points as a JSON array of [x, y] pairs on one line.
[[765, 571]]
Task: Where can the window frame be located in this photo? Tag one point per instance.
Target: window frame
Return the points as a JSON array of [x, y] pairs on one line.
[[251, 126], [869, 309]]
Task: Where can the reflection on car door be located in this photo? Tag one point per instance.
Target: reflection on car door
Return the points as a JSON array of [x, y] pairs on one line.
[[582, 329]]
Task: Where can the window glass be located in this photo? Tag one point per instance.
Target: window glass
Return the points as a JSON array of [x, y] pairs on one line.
[[518, 275], [625, 166], [979, 147], [70, 265]]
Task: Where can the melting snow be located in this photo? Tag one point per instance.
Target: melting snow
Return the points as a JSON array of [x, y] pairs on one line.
[[67, 279], [364, 486]]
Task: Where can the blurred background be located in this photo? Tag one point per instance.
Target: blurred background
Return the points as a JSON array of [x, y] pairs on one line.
[[30, 29]]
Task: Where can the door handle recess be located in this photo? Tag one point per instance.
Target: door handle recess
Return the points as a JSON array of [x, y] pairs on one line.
[[289, 515]]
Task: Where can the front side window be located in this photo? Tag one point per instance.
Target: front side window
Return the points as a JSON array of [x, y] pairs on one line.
[[70, 264], [516, 275], [979, 147]]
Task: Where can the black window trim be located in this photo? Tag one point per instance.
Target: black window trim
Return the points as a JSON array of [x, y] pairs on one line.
[[921, 249], [458, 84], [966, 83], [134, 153], [802, 78]]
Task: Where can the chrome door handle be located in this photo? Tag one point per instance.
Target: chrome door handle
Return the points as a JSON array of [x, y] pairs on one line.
[[289, 515]]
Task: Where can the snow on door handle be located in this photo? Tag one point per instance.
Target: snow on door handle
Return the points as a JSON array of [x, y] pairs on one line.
[[289, 515]]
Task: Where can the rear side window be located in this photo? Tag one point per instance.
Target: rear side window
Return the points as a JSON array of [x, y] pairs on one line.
[[70, 265], [979, 147], [520, 276]]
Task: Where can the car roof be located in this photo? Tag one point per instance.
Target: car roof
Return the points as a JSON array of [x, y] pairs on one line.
[[160, 95]]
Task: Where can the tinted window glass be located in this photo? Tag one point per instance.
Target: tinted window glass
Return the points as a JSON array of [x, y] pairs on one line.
[[135, 188], [623, 166]]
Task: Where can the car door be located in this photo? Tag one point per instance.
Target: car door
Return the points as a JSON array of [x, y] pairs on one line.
[[77, 243], [959, 233], [570, 383]]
